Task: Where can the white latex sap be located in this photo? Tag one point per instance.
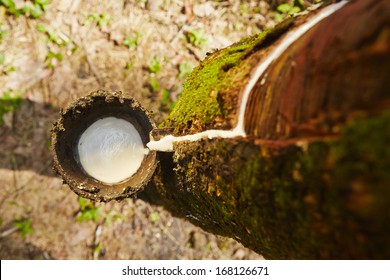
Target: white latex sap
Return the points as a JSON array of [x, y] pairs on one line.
[[111, 150]]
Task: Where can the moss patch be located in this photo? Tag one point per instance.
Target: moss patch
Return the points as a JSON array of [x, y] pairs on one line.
[[211, 92]]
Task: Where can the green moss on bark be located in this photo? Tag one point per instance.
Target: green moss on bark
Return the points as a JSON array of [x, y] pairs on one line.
[[211, 92]]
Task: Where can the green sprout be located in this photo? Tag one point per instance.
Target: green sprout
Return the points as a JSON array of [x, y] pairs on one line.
[[53, 58], [195, 38], [166, 102], [185, 68], [286, 9], [100, 19], [154, 217], [34, 9], [88, 211], [53, 37], [9, 102], [129, 65], [24, 226], [8, 70], [37, 9], [11, 7], [97, 249], [132, 42], [165, 97], [154, 84], [154, 65], [5, 69]]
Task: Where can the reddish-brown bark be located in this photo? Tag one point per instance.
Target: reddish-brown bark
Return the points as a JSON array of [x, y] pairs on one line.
[[338, 69]]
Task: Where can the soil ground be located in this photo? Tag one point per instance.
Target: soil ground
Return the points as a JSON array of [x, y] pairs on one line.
[[144, 48]]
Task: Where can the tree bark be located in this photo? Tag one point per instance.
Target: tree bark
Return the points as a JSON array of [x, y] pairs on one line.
[[311, 178]]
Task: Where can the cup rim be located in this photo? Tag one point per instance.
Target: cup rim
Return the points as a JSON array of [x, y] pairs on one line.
[[75, 119]]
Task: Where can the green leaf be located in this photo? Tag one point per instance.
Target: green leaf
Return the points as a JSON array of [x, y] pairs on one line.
[[284, 8], [294, 10], [99, 19], [102, 19], [130, 42], [41, 2], [96, 214], [300, 3], [10, 4], [155, 65], [24, 226], [88, 211], [52, 55], [92, 17], [154, 84], [41, 28], [59, 56], [25, 10], [11, 7], [11, 69], [89, 214], [53, 37], [36, 11], [7, 3], [82, 203], [165, 97], [154, 217], [195, 38], [279, 17]]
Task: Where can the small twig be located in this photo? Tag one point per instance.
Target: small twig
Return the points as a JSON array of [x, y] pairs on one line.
[[179, 33], [96, 241], [8, 232], [194, 52]]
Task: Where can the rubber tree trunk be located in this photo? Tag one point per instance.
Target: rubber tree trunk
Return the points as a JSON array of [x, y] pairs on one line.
[[311, 179]]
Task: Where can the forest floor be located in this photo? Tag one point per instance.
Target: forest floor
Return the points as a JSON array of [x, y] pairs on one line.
[[49, 58]]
